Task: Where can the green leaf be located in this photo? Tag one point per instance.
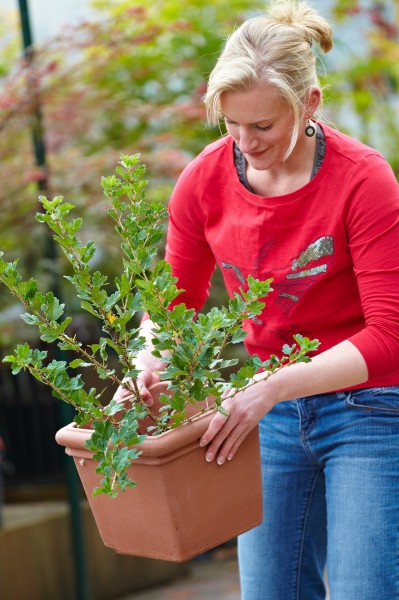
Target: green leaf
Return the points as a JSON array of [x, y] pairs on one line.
[[288, 349], [48, 335], [30, 319], [238, 336], [10, 358], [74, 364], [89, 308]]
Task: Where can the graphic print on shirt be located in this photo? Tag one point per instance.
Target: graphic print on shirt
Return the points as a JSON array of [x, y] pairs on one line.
[[291, 281]]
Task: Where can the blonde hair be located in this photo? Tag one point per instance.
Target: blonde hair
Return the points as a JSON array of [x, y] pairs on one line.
[[276, 49]]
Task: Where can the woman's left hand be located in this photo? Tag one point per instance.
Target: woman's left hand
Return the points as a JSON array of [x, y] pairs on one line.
[[245, 409], [339, 367]]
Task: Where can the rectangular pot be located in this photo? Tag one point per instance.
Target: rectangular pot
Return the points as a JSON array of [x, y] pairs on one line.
[[182, 505]]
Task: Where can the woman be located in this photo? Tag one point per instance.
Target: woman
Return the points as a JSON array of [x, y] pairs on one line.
[[285, 196]]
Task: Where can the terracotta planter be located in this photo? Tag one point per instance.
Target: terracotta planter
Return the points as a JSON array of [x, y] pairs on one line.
[[183, 505]]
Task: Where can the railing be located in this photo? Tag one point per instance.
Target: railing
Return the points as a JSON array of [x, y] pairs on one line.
[[29, 419]]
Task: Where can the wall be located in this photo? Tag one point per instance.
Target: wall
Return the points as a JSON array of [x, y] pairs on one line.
[[36, 558]]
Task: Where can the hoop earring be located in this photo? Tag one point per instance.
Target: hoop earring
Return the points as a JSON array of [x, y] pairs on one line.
[[310, 129]]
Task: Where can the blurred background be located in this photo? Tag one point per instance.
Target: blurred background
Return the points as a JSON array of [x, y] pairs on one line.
[[82, 82]]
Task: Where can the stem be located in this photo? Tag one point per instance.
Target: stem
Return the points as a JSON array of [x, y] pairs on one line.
[[114, 481], [81, 268], [43, 379], [80, 351], [234, 392], [283, 365], [144, 276]]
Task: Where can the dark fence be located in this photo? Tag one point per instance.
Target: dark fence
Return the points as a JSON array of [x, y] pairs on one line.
[[29, 419]]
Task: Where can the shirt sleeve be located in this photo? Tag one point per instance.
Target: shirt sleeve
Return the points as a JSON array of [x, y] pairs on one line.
[[187, 249], [373, 234]]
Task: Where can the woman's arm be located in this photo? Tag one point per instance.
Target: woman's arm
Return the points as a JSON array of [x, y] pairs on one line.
[[340, 367]]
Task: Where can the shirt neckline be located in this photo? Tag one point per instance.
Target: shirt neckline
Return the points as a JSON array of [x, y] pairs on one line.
[[241, 163], [285, 198]]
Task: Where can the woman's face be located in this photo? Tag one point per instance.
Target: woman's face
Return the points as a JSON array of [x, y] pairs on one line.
[[261, 123]]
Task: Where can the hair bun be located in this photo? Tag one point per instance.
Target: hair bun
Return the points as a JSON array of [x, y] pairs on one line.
[[299, 14]]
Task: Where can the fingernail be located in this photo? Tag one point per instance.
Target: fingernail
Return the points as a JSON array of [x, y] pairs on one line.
[[221, 460], [203, 443], [209, 457]]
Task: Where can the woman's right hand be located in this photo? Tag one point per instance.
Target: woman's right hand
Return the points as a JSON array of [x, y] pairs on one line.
[[150, 368]]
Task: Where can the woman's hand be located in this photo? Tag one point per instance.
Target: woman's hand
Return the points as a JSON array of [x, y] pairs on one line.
[[339, 367], [150, 366], [245, 409]]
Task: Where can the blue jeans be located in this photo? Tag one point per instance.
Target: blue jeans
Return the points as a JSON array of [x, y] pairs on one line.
[[331, 496]]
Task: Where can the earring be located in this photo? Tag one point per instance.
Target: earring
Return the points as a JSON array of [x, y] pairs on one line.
[[310, 129]]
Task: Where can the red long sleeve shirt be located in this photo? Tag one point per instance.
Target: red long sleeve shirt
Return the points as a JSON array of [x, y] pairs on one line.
[[331, 247]]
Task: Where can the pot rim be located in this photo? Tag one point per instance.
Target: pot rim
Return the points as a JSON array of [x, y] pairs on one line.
[[73, 437], [173, 440]]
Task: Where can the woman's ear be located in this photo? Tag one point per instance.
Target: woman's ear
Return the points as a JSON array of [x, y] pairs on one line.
[[313, 101]]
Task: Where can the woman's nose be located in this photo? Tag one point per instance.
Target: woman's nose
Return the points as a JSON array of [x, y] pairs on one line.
[[247, 141]]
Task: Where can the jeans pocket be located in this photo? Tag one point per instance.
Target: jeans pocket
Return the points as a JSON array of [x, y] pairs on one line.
[[378, 399]]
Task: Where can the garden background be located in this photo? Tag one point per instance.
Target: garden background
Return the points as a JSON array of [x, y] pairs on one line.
[[124, 77]]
